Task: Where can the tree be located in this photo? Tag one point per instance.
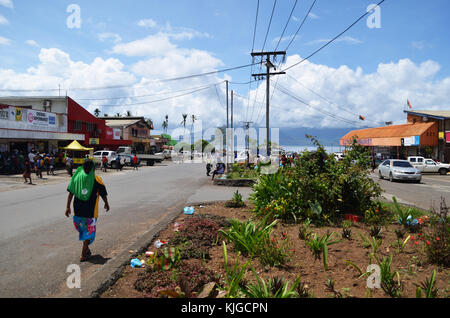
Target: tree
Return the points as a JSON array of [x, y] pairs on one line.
[[97, 112], [164, 126], [149, 122], [129, 113], [118, 115], [183, 122], [193, 119]]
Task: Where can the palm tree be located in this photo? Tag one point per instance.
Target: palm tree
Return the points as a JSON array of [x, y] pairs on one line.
[[164, 126], [193, 119], [97, 112], [118, 115], [149, 122], [129, 113], [183, 122]]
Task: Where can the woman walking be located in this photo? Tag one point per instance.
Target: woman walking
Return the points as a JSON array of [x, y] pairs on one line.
[[86, 187], [27, 173]]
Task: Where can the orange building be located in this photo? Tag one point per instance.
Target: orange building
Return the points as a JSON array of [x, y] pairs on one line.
[[416, 137]]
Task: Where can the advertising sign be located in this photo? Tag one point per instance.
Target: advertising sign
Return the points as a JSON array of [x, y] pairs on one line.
[[39, 118], [4, 113], [18, 114], [94, 141], [412, 141], [116, 133]]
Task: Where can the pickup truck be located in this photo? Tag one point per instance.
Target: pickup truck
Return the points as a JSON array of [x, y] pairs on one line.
[[150, 159], [429, 165]]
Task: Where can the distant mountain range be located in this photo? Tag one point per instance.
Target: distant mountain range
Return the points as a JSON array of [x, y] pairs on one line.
[[326, 136]]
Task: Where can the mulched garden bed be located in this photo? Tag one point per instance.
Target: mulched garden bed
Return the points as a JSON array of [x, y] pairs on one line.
[[207, 265]]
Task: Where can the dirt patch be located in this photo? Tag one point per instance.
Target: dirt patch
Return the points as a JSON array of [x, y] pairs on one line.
[[411, 263]]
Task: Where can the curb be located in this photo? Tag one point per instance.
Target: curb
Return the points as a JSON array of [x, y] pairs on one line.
[[105, 277]]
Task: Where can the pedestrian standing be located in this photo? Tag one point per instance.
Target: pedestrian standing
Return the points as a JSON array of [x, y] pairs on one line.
[[86, 187], [27, 172], [39, 163], [52, 164], [135, 162], [69, 165], [104, 164]]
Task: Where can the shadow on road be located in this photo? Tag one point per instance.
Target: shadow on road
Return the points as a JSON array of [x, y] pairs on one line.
[[97, 259]]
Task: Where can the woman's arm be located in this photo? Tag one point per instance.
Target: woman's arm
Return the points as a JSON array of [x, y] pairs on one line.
[[69, 200]]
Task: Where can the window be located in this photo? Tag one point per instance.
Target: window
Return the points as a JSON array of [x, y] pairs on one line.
[[78, 125], [403, 164], [105, 153], [90, 127], [419, 159], [412, 159], [98, 153]]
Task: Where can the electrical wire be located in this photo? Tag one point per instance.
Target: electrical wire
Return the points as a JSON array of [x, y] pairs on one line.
[[301, 25], [287, 23], [270, 22], [333, 39]]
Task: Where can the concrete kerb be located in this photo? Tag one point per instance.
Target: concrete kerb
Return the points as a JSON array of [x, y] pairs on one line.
[[113, 269]]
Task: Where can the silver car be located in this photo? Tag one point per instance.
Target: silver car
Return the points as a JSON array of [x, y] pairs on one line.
[[395, 169]]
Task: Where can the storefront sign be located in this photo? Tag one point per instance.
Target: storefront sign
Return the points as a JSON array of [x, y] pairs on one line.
[[38, 118], [116, 133], [4, 114], [18, 114], [94, 141], [441, 135], [412, 141], [363, 142], [447, 136]]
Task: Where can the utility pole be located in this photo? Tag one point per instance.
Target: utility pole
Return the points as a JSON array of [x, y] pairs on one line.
[[247, 139], [267, 75], [226, 82]]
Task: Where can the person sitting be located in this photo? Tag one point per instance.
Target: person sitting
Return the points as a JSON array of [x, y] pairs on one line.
[[219, 170]]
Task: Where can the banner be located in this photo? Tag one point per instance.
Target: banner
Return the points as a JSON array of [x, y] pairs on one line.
[[4, 113], [412, 141], [116, 133], [39, 118], [18, 114]]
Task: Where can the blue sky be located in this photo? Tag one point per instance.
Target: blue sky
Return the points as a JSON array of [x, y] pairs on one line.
[[134, 38]]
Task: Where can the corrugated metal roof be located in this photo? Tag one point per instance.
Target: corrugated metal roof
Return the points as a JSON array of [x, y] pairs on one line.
[[405, 130], [435, 113], [121, 122]]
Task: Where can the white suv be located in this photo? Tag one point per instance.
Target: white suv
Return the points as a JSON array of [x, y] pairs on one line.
[[110, 155]]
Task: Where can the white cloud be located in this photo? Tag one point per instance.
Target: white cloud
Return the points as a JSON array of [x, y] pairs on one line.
[[147, 23], [4, 41], [344, 39], [3, 20], [379, 96], [151, 45], [32, 43], [6, 3], [313, 16], [107, 35]]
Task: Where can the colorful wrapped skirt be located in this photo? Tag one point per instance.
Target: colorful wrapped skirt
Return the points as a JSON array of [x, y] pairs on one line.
[[86, 228]]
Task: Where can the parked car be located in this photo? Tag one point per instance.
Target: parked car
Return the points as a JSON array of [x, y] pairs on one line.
[[339, 156], [429, 165], [395, 169], [111, 156]]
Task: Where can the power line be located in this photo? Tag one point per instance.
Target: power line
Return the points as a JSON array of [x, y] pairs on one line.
[[256, 23], [334, 116], [330, 102], [148, 95], [158, 100], [301, 25], [270, 22], [287, 23], [333, 39], [125, 86]]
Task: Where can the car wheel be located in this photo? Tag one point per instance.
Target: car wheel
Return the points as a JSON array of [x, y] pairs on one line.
[[391, 177], [443, 171], [114, 165], [379, 175]]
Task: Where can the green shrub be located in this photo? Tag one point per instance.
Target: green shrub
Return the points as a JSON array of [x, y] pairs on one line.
[[317, 187]]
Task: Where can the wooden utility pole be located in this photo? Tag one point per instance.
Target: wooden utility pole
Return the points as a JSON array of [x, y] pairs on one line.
[[267, 75], [247, 139]]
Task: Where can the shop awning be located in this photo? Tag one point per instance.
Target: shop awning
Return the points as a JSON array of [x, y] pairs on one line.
[[75, 146]]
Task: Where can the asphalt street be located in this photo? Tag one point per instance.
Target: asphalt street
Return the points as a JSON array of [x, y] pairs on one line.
[[38, 242], [425, 195]]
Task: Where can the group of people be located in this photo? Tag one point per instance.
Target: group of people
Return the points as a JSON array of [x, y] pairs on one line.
[[38, 162]]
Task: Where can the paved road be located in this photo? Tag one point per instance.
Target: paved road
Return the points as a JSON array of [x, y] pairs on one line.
[[37, 242], [424, 195]]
